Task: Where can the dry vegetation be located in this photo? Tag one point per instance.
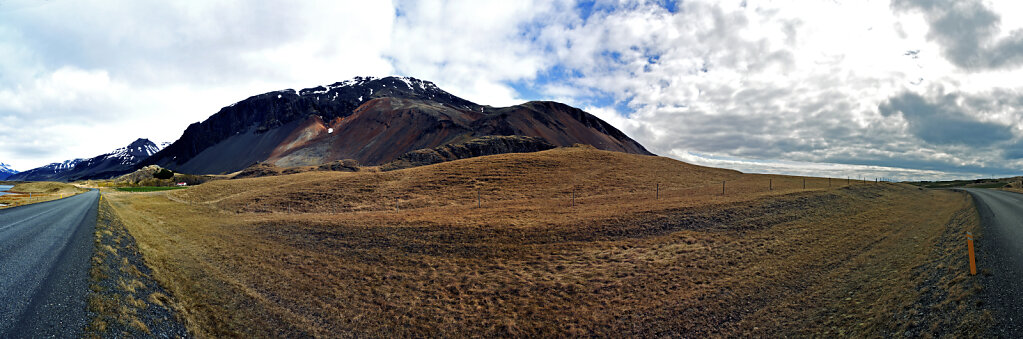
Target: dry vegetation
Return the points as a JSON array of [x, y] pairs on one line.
[[32, 192], [326, 253], [124, 300]]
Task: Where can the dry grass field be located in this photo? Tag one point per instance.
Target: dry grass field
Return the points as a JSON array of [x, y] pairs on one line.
[[25, 193], [496, 246]]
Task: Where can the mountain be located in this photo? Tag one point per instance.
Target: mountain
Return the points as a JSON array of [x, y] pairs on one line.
[[372, 121], [120, 161], [6, 171]]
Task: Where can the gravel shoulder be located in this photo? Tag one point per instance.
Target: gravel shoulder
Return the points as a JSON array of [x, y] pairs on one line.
[[124, 300], [1000, 257]]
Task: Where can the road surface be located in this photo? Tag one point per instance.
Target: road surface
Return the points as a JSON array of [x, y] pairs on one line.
[[1000, 251], [45, 250]]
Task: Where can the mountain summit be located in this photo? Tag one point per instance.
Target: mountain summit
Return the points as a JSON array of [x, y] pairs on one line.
[[371, 120], [6, 171], [120, 161]]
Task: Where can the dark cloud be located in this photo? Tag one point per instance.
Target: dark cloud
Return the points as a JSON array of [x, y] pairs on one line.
[[1014, 151], [942, 121], [966, 31]]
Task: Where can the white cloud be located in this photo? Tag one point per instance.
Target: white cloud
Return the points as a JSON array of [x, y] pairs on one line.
[[751, 80], [803, 168], [472, 48], [776, 80]]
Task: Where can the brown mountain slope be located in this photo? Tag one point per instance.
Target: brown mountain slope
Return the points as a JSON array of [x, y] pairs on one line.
[[370, 120]]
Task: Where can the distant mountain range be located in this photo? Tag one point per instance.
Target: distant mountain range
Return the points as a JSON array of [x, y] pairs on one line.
[[371, 120], [6, 171], [120, 161]]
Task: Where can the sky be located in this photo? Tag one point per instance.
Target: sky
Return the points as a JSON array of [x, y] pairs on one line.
[[903, 89]]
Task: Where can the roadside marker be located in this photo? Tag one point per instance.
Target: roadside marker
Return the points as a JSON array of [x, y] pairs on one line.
[[969, 245]]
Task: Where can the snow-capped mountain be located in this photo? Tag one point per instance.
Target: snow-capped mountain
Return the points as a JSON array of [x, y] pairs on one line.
[[6, 171], [370, 120], [120, 161], [137, 151]]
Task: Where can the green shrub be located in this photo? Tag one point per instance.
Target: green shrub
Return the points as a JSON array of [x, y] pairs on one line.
[[163, 173]]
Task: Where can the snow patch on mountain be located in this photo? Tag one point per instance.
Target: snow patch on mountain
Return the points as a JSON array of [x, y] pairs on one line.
[[6, 171], [137, 151], [410, 82], [120, 160]]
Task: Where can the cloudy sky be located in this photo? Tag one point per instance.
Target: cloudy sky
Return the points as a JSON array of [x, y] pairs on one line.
[[909, 89]]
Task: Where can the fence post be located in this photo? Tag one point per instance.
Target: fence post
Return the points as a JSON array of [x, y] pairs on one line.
[[396, 204], [770, 184], [479, 199], [658, 196], [804, 183], [969, 245], [722, 187]]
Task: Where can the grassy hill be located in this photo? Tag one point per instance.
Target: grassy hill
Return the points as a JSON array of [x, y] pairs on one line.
[[571, 241]]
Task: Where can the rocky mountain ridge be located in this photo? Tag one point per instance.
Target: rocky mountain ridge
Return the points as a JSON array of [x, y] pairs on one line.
[[120, 161], [370, 120]]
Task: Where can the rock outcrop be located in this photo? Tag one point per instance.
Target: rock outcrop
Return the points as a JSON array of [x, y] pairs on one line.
[[486, 145]]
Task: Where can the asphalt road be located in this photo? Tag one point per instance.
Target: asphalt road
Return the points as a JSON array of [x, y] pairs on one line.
[[1000, 252], [45, 250]]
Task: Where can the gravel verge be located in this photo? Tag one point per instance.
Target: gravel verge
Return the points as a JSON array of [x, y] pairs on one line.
[[124, 299]]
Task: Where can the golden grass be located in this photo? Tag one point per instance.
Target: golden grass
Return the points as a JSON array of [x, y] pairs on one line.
[[325, 254], [25, 193]]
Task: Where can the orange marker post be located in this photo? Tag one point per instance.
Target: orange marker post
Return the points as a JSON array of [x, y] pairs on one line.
[[973, 261]]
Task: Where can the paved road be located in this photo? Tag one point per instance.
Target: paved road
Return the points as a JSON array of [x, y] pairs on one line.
[[1000, 251], [44, 262]]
